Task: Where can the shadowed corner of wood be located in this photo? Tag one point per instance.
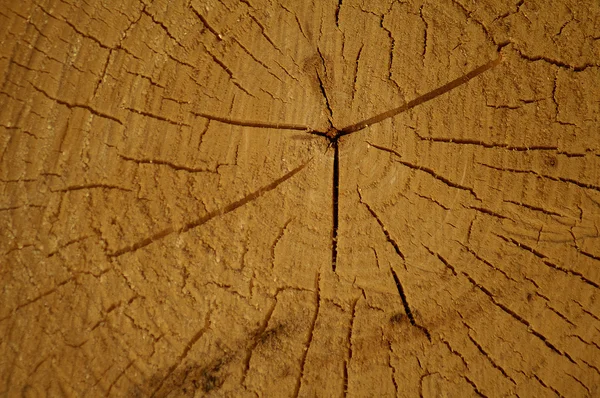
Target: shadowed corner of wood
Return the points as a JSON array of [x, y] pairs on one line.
[[187, 381]]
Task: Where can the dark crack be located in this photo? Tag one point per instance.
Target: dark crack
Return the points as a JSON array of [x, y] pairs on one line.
[[406, 306], [422, 99], [254, 124], [427, 170], [335, 190], [206, 218], [385, 231], [311, 332]]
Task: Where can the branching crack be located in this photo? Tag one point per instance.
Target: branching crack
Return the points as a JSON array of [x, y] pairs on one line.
[[555, 62], [508, 13]]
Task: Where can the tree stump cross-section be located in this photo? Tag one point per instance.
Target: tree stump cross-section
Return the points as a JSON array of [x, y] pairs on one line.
[[300, 198]]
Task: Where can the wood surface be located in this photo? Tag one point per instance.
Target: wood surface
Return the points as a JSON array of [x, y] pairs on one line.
[[300, 198]]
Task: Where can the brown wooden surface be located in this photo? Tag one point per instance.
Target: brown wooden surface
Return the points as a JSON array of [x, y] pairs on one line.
[[167, 172]]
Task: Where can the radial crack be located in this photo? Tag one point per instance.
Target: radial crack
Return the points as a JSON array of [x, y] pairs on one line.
[[157, 117], [248, 123], [474, 387], [489, 358], [548, 263], [383, 228], [322, 87], [69, 105], [171, 165], [206, 218], [310, 334], [40, 296], [427, 170], [488, 145], [549, 177], [335, 195], [206, 24], [259, 335], [185, 351], [517, 317], [421, 99], [277, 239], [349, 342], [90, 186], [407, 309]]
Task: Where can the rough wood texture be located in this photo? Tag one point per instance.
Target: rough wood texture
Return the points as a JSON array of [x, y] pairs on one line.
[[191, 206]]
